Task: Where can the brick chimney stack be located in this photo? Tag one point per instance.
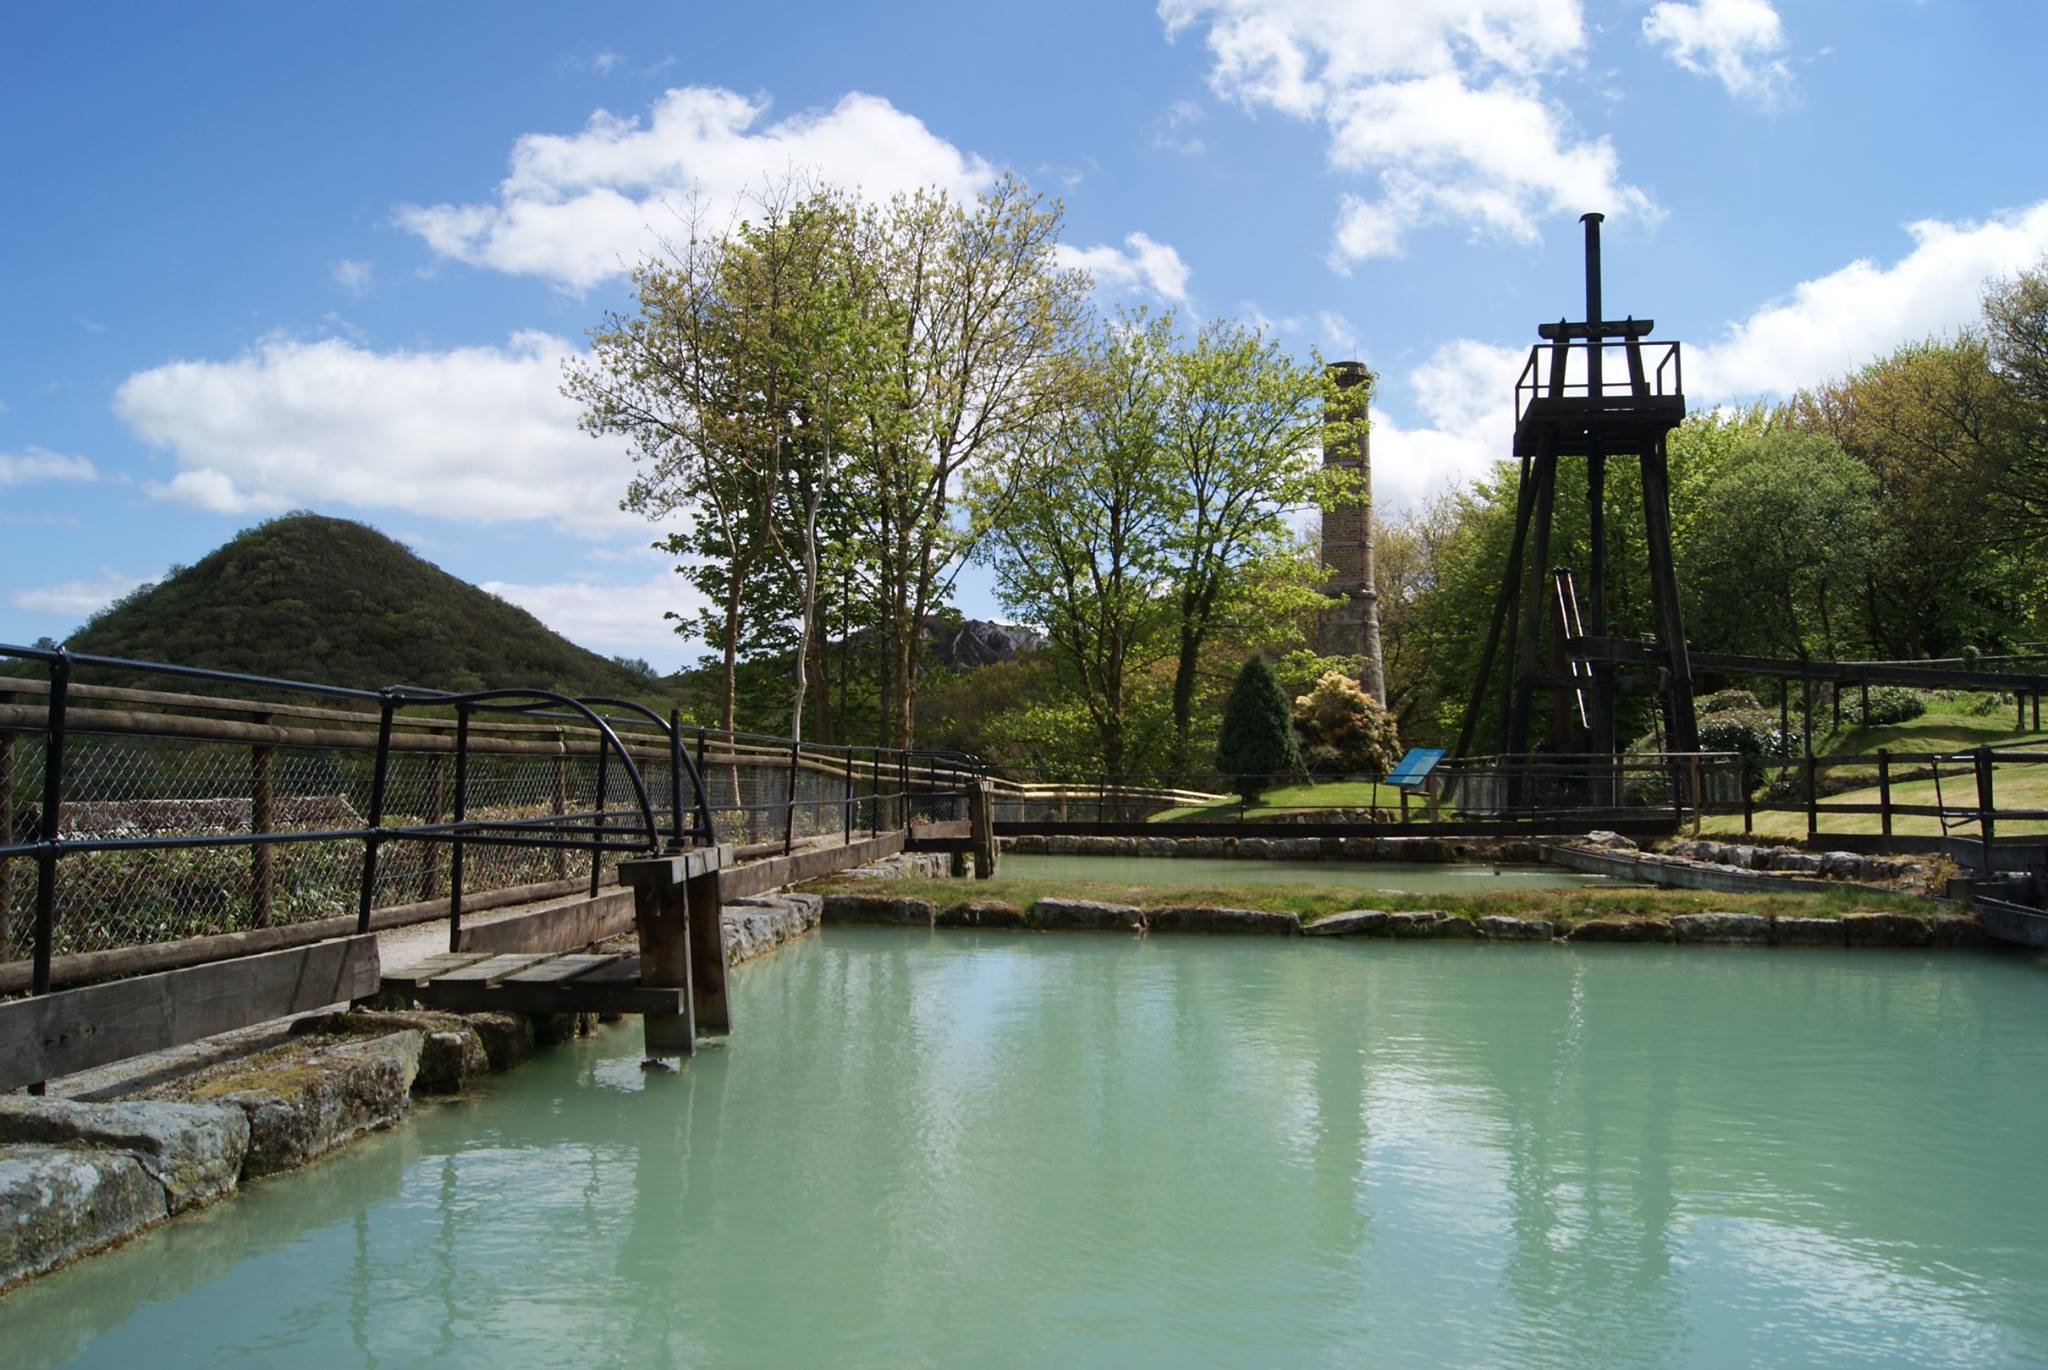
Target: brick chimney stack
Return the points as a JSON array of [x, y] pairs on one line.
[[1351, 625]]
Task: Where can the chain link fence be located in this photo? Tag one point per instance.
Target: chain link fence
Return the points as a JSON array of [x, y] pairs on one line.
[[158, 805]]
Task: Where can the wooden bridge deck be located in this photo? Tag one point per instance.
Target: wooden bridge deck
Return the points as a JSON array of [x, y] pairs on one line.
[[533, 982]]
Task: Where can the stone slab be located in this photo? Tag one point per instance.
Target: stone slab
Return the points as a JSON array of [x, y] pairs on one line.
[[887, 910], [1083, 915], [1737, 929], [1350, 923], [1503, 927], [303, 1101], [60, 1203], [1206, 918], [195, 1151]]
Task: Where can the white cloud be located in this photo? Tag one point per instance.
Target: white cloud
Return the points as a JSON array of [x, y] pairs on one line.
[[1140, 267], [33, 464], [1737, 42], [472, 434], [1173, 132], [1339, 338], [1834, 323], [1824, 328], [1441, 100], [352, 276], [580, 208], [613, 618], [1466, 391], [76, 599]]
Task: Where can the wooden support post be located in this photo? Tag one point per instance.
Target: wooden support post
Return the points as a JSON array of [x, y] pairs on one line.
[[1748, 798], [1784, 717], [1535, 596], [1884, 787], [852, 791], [1987, 822], [789, 814], [706, 910], [262, 819], [678, 916], [1812, 796], [597, 833], [981, 822], [6, 836], [433, 809], [1699, 799], [558, 799]]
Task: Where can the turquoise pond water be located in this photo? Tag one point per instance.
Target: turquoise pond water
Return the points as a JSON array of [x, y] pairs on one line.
[[997, 1150]]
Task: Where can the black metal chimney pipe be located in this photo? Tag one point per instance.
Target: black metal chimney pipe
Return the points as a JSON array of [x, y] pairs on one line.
[[1593, 340]]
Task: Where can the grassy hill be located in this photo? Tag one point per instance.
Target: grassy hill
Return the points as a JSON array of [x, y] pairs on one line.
[[336, 602], [1949, 725]]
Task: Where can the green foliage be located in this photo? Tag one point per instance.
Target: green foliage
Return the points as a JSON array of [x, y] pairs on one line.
[[1344, 730], [336, 602], [1256, 742], [1889, 704], [1726, 701]]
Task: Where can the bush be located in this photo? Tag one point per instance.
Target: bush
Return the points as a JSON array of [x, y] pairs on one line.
[[1888, 704], [1343, 729], [1256, 741], [1724, 701]]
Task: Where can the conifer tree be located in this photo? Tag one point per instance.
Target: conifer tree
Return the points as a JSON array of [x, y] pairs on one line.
[[1256, 743]]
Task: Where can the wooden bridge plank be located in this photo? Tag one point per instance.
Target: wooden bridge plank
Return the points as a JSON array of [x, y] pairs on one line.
[[559, 969], [413, 976], [491, 969], [565, 926], [73, 1030]]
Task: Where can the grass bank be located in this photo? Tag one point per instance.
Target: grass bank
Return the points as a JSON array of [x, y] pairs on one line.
[[1310, 901]]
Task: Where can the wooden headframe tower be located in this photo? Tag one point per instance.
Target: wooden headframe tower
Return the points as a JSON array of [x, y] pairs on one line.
[[1591, 390]]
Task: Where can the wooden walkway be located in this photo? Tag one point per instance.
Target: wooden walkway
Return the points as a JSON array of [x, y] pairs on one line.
[[533, 982]]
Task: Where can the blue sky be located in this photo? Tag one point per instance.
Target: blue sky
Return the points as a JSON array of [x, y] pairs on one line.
[[265, 257]]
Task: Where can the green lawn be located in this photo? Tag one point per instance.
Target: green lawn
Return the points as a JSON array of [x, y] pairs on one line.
[[1947, 726], [1335, 794], [1311, 901]]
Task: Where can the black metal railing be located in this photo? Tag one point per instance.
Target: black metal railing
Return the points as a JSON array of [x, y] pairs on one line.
[[151, 816]]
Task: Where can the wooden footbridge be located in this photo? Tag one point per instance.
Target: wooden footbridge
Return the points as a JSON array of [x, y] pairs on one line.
[[658, 869]]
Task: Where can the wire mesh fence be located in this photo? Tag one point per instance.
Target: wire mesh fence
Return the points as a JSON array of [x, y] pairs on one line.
[[176, 817]]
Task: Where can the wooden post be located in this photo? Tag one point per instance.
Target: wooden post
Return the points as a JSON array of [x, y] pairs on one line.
[[789, 815], [1748, 798], [1987, 821], [981, 823], [433, 811], [597, 830], [558, 796], [852, 792], [1784, 716], [262, 819], [1812, 796], [1698, 798], [679, 920], [6, 835], [1884, 787]]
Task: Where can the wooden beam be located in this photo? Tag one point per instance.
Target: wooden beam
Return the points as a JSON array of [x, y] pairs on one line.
[[90, 967], [72, 1030], [567, 926], [757, 877]]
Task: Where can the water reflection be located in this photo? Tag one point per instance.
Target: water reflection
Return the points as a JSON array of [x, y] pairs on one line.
[[1021, 1150]]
